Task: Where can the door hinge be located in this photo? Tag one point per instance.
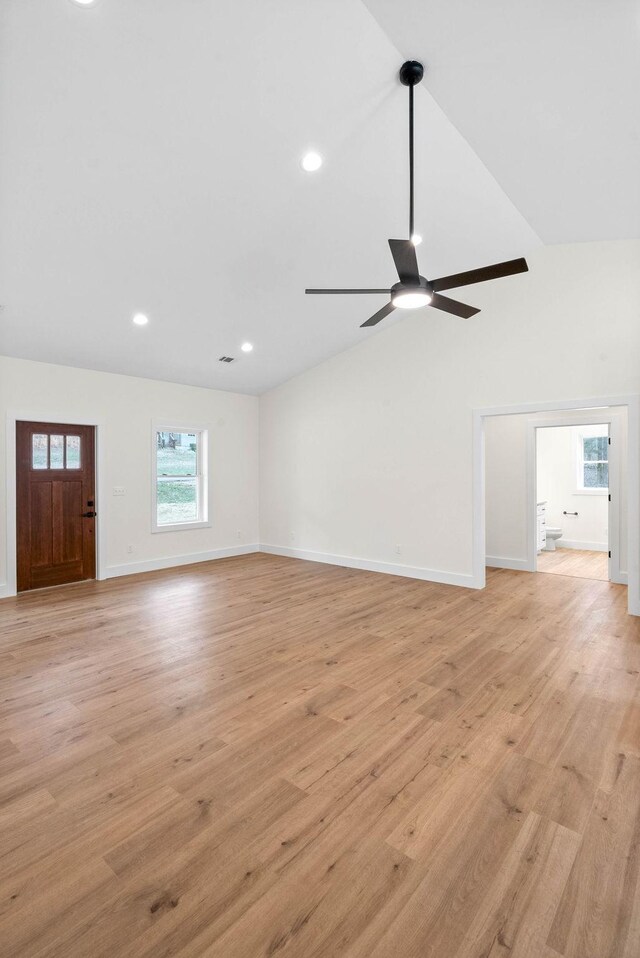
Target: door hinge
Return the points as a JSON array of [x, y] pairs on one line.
[[609, 440], [609, 497], [609, 553]]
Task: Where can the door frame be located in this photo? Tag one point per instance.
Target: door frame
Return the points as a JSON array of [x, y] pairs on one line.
[[578, 419], [11, 516], [632, 402]]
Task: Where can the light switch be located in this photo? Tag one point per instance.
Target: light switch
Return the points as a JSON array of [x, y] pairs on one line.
[[118, 490]]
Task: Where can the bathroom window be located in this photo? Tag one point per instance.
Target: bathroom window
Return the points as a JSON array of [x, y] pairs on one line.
[[179, 479], [593, 460]]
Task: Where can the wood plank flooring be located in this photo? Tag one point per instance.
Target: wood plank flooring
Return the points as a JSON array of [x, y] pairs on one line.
[[577, 562], [260, 757]]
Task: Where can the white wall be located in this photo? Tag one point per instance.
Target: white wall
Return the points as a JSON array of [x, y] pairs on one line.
[[126, 406], [556, 459], [373, 448], [505, 457]]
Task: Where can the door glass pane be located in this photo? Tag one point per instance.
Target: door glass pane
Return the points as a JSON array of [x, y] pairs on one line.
[[176, 453], [39, 452], [56, 452], [177, 500], [73, 452]]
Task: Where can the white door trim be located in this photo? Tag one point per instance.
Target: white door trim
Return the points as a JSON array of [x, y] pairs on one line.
[[612, 419], [11, 586], [632, 402]]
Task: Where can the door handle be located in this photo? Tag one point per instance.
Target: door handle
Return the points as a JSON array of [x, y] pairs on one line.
[[88, 515]]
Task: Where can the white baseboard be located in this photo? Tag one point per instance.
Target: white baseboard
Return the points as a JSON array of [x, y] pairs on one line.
[[371, 565], [389, 568], [501, 562], [586, 546], [168, 562]]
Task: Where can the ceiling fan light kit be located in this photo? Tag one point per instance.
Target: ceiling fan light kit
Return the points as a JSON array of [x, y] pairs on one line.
[[414, 290], [411, 297]]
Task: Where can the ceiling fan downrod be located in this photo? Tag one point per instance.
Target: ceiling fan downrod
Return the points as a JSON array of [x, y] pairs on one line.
[[411, 72], [414, 290]]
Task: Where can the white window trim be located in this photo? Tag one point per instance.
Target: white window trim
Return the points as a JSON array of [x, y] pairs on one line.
[[202, 475], [581, 435]]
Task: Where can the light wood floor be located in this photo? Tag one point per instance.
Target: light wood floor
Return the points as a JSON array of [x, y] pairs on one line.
[[263, 757], [577, 562]]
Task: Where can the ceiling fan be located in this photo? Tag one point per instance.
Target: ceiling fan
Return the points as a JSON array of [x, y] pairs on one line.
[[414, 290]]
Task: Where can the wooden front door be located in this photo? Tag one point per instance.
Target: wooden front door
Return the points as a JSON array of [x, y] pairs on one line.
[[55, 504]]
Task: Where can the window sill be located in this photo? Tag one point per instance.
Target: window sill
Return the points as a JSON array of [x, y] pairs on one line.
[[181, 526], [591, 492]]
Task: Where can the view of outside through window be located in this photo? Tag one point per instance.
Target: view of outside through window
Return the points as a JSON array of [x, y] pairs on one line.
[[177, 483], [48, 452], [73, 452], [595, 465], [56, 452], [40, 453]]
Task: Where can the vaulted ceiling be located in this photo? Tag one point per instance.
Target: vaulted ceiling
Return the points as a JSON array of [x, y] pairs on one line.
[[546, 93], [151, 162]]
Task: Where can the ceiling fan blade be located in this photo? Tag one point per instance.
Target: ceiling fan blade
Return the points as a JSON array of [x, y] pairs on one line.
[[347, 291], [380, 315], [480, 275], [404, 256], [453, 306]]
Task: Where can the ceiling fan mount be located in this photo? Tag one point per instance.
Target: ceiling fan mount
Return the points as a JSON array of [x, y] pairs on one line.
[[414, 290], [411, 72]]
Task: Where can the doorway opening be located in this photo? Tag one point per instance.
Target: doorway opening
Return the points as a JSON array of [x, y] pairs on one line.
[[526, 513], [55, 504], [574, 525]]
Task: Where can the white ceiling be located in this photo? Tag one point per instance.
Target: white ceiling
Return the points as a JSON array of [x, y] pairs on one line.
[[150, 161], [546, 93]]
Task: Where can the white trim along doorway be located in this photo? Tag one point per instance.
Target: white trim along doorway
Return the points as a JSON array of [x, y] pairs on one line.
[[566, 412]]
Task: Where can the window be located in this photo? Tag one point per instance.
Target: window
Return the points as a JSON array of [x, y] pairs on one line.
[[593, 459], [73, 452], [55, 452], [180, 480], [40, 451]]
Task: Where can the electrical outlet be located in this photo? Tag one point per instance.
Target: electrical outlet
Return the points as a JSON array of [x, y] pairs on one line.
[[239, 536], [292, 537], [129, 548], [118, 490], [398, 550]]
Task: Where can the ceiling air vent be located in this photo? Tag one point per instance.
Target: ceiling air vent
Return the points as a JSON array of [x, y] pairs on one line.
[[226, 359]]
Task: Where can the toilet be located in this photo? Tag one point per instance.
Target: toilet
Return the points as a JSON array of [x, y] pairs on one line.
[[552, 536]]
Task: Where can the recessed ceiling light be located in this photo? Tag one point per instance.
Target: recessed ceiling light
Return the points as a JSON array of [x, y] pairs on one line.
[[416, 239], [84, 3], [140, 319], [246, 347], [311, 162]]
